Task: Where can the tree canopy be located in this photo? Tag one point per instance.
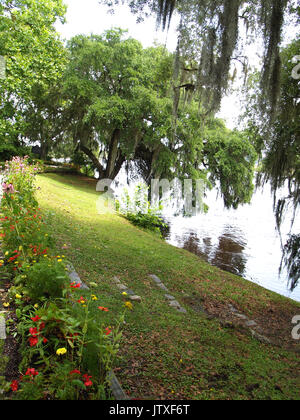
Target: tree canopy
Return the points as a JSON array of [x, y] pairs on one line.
[[34, 57], [209, 41], [118, 108]]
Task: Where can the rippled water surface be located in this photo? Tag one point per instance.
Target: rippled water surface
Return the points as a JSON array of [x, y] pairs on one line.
[[242, 241]]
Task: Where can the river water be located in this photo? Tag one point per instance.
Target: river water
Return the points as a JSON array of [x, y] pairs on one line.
[[243, 241]]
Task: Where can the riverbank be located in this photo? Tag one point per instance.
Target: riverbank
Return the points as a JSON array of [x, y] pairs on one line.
[[207, 352]]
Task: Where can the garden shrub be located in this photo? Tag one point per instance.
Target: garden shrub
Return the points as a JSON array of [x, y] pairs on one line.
[[138, 210], [45, 279]]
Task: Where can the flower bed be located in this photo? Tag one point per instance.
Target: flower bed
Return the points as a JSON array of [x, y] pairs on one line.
[[65, 354]]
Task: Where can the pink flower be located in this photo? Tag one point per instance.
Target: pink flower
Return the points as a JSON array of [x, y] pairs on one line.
[[8, 188]]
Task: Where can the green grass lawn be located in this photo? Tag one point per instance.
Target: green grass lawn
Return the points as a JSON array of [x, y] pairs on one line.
[[165, 354]]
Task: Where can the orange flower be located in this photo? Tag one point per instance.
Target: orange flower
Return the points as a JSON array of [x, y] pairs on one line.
[[103, 309]]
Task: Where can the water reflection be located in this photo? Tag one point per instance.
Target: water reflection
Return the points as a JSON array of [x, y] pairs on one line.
[[243, 241], [227, 254]]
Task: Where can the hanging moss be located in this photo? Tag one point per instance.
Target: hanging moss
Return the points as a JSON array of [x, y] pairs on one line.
[[165, 12], [209, 34], [272, 18]]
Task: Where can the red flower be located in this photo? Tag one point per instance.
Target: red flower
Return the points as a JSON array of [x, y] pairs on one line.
[[75, 285], [75, 372], [31, 372], [45, 341], [87, 380], [107, 331], [35, 319], [33, 332], [33, 341], [42, 326], [14, 386]]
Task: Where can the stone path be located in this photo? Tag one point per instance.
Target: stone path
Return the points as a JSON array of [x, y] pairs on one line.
[[2, 327], [252, 325], [171, 299], [124, 289]]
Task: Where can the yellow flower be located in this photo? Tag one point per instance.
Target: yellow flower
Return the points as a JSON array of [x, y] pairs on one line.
[[129, 305], [61, 352], [6, 305], [36, 306], [125, 294], [94, 297], [59, 260], [18, 296], [6, 253]]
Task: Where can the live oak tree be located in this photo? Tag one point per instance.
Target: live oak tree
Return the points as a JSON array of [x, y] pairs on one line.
[[119, 109], [115, 91], [35, 58]]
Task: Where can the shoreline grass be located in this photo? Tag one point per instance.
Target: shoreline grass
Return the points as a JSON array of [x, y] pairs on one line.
[[165, 354]]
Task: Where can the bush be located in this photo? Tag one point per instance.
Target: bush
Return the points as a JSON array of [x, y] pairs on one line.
[[45, 279], [8, 151], [138, 210]]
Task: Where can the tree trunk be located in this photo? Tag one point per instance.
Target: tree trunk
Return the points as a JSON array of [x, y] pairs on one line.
[[94, 160], [115, 158], [113, 154]]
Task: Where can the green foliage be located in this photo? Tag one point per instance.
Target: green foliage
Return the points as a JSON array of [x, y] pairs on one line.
[[8, 151], [138, 210], [115, 89], [231, 159], [45, 279], [121, 105], [34, 58]]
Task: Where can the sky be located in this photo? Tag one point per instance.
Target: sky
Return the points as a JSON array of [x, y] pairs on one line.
[[88, 16]]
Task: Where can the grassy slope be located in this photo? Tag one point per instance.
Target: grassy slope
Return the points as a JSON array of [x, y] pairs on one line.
[[166, 354]]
